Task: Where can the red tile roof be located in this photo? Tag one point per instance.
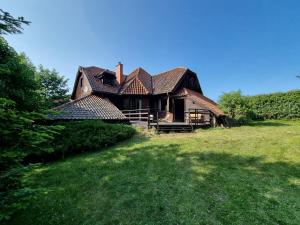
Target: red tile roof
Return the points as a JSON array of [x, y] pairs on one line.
[[167, 81], [96, 83], [138, 82]]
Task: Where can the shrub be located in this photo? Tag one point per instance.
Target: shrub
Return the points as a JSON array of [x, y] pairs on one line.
[[14, 195], [21, 135], [276, 105], [267, 106], [235, 106], [88, 135]]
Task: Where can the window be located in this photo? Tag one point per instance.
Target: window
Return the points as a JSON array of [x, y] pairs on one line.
[[81, 81], [108, 81], [192, 82]]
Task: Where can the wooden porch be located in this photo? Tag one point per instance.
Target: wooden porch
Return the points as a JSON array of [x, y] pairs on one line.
[[193, 118]]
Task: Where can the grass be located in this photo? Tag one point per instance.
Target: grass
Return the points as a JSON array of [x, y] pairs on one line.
[[243, 175]]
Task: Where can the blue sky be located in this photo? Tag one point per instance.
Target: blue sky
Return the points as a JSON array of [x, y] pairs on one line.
[[252, 45]]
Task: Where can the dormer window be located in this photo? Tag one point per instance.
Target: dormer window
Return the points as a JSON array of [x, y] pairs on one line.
[[107, 77], [108, 81]]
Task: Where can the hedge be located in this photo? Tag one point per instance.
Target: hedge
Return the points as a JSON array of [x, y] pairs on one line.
[[84, 136], [266, 106], [275, 106], [89, 135]]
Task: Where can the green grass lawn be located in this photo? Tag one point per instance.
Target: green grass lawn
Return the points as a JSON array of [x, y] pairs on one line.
[[243, 175]]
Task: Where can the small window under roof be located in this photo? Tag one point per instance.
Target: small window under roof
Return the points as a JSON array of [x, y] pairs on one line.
[[107, 77]]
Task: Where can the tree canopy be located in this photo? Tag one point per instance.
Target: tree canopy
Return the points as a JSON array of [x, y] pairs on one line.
[[18, 81], [10, 24], [54, 86]]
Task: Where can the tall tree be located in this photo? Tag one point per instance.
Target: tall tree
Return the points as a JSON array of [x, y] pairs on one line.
[[18, 80], [54, 86], [10, 24]]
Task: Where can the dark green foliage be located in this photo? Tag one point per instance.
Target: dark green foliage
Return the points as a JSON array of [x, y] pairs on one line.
[[267, 106], [21, 135], [14, 194], [17, 79], [276, 105], [54, 87], [88, 135], [11, 25]]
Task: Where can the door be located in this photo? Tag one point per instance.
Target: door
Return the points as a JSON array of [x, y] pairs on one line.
[[179, 110]]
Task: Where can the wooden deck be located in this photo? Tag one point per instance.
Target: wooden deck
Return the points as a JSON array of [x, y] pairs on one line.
[[142, 117], [176, 126]]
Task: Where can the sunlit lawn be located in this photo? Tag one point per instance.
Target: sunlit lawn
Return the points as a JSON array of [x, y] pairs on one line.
[[244, 175]]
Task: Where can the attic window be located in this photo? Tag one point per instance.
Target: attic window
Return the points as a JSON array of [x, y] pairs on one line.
[[81, 81], [108, 78], [191, 83], [108, 81]]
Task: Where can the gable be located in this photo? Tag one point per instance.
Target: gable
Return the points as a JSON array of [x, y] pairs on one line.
[[135, 88], [82, 88], [95, 82], [138, 82], [189, 81]]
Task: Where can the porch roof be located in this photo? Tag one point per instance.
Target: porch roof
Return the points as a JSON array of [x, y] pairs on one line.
[[201, 101]]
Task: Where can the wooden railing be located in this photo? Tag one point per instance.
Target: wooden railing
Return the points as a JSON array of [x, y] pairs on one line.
[[155, 116], [193, 117], [198, 116], [137, 114]]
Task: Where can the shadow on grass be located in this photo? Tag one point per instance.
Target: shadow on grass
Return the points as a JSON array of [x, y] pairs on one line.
[[160, 184], [266, 124]]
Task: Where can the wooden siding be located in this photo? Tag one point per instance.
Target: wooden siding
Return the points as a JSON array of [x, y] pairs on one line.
[[132, 102], [85, 89], [190, 103], [136, 88], [189, 81]]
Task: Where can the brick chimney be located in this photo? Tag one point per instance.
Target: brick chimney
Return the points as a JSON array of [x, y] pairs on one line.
[[119, 73]]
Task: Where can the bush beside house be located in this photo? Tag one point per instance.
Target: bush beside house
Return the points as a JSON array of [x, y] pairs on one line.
[[89, 135], [84, 136]]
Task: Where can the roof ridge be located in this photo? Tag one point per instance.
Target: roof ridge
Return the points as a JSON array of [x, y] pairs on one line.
[[185, 69]]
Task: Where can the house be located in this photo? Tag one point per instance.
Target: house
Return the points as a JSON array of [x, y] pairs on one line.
[[104, 94]]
